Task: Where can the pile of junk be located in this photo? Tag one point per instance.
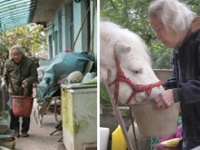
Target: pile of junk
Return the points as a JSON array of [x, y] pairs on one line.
[[7, 139], [72, 67]]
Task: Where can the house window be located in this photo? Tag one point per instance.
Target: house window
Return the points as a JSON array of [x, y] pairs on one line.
[[87, 5], [50, 46], [55, 38], [60, 49], [69, 25]]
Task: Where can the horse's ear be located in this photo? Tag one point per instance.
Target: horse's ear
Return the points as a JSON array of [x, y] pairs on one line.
[[121, 48]]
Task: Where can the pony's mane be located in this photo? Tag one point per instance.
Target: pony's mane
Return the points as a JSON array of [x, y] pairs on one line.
[[118, 32]]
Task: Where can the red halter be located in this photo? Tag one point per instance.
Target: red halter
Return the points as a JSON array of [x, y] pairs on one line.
[[136, 87]]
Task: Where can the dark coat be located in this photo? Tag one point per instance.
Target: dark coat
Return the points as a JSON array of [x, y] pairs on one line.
[[25, 70], [186, 84]]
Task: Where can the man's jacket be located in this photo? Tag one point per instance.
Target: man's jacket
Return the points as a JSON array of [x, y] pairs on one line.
[[17, 73], [186, 82]]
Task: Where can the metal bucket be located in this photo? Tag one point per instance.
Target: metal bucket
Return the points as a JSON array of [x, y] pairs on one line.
[[153, 121], [22, 105]]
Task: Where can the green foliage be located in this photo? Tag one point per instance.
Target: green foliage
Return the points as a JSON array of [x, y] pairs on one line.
[[104, 97], [161, 55], [32, 37], [132, 14], [194, 5], [154, 141]]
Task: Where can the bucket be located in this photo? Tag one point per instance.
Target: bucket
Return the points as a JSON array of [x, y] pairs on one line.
[[153, 121], [104, 138], [22, 105]]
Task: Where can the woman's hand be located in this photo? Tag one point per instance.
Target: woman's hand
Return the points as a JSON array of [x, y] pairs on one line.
[[165, 99]]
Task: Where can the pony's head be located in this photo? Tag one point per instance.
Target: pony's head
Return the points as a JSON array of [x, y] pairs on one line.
[[125, 66]]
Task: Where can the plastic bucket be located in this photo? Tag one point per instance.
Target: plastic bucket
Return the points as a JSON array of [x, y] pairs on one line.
[[104, 138], [22, 106], [153, 121]]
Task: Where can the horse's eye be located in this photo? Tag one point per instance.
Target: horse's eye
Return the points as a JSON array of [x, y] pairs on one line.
[[136, 71]]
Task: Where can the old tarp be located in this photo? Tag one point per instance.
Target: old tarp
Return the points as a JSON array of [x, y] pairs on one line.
[[62, 64]]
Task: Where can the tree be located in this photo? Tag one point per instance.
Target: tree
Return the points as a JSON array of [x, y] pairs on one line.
[[32, 37]]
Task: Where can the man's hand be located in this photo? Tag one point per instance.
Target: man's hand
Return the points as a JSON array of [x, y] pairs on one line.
[[165, 99], [24, 84]]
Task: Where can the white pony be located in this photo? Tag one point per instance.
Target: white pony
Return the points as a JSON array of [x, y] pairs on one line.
[[137, 81], [125, 69]]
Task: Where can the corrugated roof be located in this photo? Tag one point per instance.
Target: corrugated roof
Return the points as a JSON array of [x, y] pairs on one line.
[[15, 13]]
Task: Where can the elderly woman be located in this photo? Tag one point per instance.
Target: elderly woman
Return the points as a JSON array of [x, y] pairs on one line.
[[19, 72], [177, 27]]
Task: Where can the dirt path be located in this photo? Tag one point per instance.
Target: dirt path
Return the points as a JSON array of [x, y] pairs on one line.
[[40, 138]]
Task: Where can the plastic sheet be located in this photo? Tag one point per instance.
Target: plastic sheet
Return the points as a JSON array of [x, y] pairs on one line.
[[62, 65]]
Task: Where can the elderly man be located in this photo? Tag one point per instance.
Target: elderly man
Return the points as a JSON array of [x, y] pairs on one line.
[[177, 27], [19, 72]]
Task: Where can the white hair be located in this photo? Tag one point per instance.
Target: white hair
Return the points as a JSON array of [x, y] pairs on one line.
[[173, 14], [17, 48]]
